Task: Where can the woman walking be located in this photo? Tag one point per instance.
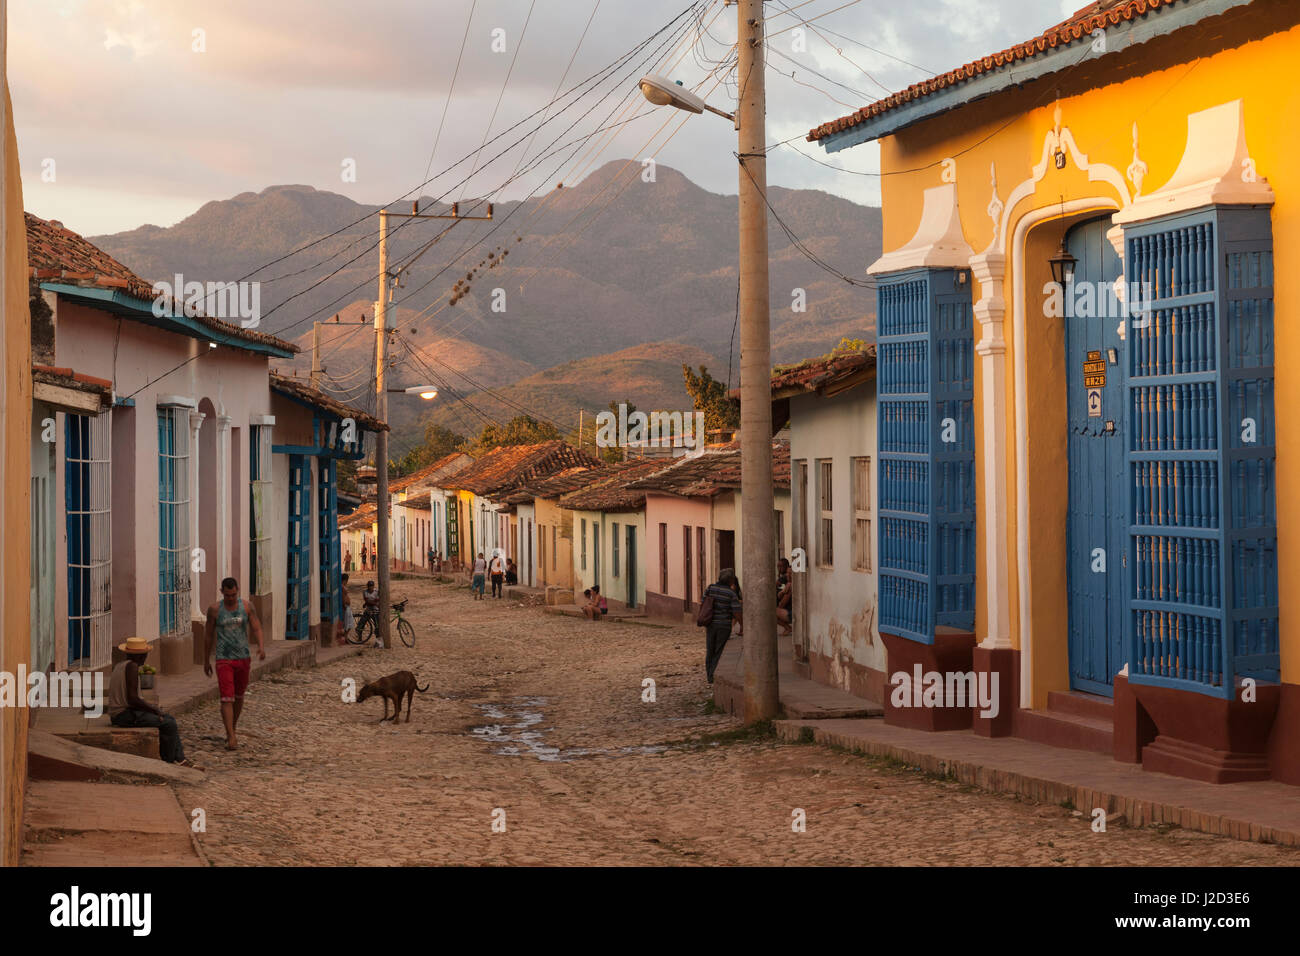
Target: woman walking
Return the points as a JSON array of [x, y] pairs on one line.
[[477, 581]]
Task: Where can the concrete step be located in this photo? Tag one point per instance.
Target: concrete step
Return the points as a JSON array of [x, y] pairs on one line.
[[1061, 729], [1082, 704]]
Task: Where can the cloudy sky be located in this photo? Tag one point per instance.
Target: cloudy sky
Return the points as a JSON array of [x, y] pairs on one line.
[[139, 111]]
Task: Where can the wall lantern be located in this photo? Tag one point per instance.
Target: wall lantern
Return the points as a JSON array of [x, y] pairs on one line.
[[1062, 266]]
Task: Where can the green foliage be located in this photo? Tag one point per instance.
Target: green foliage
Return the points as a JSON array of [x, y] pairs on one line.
[[347, 476], [710, 396], [439, 442], [849, 345], [520, 430]]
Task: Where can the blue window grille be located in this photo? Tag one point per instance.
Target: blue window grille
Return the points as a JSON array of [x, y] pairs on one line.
[[926, 437], [173, 520], [1202, 583], [89, 536], [259, 525], [331, 568], [297, 625]]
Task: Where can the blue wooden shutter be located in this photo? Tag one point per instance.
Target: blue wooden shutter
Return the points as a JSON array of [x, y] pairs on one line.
[[1202, 581], [331, 570], [926, 437]]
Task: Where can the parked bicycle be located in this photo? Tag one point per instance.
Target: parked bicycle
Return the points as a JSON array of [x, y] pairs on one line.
[[368, 626]]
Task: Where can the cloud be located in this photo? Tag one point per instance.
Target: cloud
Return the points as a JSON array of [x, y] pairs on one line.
[[286, 90]]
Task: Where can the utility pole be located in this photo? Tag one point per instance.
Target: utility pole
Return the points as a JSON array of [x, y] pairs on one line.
[[315, 355], [381, 395], [381, 439], [758, 574]]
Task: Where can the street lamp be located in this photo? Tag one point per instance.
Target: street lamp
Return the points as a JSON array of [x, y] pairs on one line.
[[1062, 264], [758, 575], [426, 392]]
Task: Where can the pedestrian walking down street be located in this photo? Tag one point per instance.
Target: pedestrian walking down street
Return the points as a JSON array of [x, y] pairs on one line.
[[230, 622], [725, 595], [498, 572], [479, 573], [127, 709]]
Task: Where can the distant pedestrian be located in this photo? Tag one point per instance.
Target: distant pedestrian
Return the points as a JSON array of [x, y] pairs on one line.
[[477, 580], [430, 556], [498, 571], [365, 557], [230, 623], [512, 573], [725, 596], [347, 560], [126, 708]]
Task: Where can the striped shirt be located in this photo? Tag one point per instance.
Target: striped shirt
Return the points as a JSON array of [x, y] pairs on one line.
[[726, 603]]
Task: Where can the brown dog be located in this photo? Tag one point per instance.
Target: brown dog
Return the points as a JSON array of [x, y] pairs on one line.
[[393, 687]]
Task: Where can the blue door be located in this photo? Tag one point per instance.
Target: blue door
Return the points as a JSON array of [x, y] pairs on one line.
[[1096, 534], [297, 626]]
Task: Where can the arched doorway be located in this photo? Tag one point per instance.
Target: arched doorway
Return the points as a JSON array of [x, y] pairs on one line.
[[1097, 523]]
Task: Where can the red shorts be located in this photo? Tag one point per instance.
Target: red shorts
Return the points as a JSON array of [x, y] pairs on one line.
[[232, 678]]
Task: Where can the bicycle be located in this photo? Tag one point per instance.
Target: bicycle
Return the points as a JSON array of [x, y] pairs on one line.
[[368, 627]]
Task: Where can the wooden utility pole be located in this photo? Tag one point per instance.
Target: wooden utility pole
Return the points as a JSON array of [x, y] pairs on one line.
[[315, 355], [381, 395], [758, 574]]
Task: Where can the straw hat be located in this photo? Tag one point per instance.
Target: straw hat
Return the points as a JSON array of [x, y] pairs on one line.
[[134, 645]]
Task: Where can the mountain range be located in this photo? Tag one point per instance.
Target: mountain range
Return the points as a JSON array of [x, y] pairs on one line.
[[584, 294]]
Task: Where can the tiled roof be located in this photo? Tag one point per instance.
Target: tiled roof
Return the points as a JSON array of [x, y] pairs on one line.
[[362, 518], [420, 502], [828, 374], [553, 486], [513, 465], [67, 378], [1098, 15], [55, 253], [714, 471], [444, 467], [609, 488], [303, 391]]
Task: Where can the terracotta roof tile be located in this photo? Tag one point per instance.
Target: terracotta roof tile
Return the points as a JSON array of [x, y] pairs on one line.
[[1097, 15], [714, 471], [303, 391], [829, 373], [610, 489], [57, 253], [553, 486], [512, 465], [444, 467]]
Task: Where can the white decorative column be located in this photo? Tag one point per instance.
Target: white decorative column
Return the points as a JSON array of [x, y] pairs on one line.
[[989, 268], [223, 496]]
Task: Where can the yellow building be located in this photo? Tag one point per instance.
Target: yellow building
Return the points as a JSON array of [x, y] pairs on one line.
[[1081, 479]]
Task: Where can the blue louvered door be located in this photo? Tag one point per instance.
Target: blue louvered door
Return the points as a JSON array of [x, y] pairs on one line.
[[297, 626], [1203, 583], [925, 422], [1097, 524]]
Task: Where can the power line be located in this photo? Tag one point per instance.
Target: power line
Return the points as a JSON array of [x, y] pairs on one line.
[[451, 89]]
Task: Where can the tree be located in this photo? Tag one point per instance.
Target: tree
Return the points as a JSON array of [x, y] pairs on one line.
[[439, 442], [710, 396], [520, 430]]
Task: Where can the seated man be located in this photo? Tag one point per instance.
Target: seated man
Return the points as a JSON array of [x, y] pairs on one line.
[[127, 709]]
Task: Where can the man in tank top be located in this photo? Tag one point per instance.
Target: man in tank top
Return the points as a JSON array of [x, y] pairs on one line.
[[230, 621]]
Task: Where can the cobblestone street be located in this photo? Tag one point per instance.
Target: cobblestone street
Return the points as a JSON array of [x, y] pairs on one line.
[[542, 716]]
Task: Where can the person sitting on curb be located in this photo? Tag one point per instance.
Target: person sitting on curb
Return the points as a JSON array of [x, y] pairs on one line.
[[127, 709], [597, 606]]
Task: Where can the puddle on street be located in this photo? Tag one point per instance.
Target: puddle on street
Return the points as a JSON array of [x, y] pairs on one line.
[[515, 732]]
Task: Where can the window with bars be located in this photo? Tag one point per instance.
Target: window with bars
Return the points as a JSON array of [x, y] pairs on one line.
[[701, 569], [173, 519], [584, 544], [861, 513], [259, 512], [779, 533], [663, 558], [825, 514], [614, 548], [87, 491]]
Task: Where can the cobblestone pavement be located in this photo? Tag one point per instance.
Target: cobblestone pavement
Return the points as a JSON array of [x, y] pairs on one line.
[[542, 717]]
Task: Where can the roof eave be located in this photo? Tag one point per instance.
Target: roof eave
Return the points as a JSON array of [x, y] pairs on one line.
[[141, 310], [1119, 37]]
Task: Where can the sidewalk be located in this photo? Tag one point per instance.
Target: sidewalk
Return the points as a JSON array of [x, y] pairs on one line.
[[76, 811], [1264, 812], [800, 697]]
